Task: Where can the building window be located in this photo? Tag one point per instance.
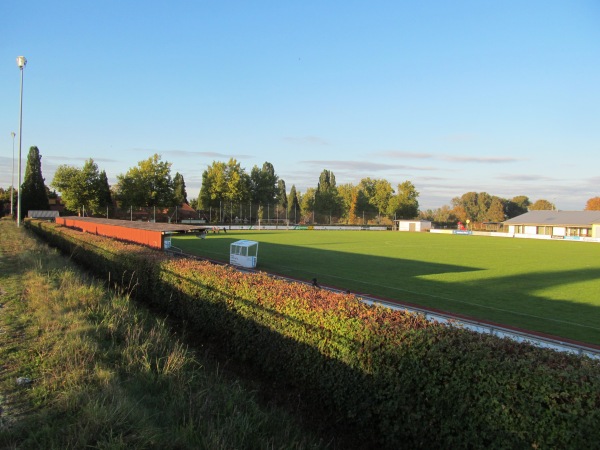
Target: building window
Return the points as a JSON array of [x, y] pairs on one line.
[[544, 230], [579, 231]]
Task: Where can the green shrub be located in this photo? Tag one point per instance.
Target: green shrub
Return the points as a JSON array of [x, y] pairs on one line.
[[396, 379]]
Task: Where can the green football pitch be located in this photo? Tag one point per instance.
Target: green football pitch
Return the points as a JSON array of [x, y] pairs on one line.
[[547, 286]]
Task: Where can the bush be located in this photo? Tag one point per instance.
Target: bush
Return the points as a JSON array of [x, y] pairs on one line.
[[396, 379]]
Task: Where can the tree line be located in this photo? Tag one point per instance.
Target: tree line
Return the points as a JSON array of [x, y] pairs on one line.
[[232, 193], [482, 207], [372, 199]]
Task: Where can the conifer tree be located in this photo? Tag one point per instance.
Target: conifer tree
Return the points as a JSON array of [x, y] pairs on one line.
[[34, 195], [179, 189], [327, 200], [281, 198], [293, 204], [104, 194]]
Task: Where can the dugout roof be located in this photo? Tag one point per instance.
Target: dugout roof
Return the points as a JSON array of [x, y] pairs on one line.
[[146, 233]]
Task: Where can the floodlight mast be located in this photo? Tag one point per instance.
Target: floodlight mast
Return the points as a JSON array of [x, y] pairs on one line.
[[21, 62], [12, 179]]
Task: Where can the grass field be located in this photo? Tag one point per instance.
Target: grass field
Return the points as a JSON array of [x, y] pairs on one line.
[[547, 286]]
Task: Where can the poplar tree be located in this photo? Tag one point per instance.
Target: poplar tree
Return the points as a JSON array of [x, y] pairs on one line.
[[34, 195], [179, 189], [293, 204], [327, 200], [282, 200], [104, 194]]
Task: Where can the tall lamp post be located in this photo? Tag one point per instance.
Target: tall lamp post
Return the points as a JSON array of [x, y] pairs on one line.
[[12, 179], [21, 62]]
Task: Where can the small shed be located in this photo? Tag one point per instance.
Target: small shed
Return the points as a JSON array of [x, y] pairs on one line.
[[243, 253], [413, 225]]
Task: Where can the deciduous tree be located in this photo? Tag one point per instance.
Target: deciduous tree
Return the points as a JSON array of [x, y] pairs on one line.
[[213, 186], [442, 215], [542, 205], [224, 182], [496, 211], [147, 184], [472, 206], [237, 183], [349, 196], [516, 206], [382, 194], [405, 205], [82, 189], [307, 204], [263, 184], [364, 204], [4, 200], [593, 204]]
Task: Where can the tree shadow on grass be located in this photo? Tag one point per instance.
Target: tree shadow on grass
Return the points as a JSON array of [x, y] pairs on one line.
[[512, 300]]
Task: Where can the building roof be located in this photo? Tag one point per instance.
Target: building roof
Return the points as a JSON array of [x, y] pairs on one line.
[[187, 207], [150, 226], [556, 218], [244, 243], [42, 214]]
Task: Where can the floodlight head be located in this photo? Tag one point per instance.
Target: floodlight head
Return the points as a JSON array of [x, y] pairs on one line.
[[21, 62]]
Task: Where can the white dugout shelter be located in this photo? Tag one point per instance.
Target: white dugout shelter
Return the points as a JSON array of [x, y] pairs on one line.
[[244, 253]]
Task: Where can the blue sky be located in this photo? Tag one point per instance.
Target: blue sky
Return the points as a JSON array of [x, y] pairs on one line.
[[455, 96]]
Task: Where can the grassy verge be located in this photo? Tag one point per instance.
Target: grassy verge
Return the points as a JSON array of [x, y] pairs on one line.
[[97, 371]]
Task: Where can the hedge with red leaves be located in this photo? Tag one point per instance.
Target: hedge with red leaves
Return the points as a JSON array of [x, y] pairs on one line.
[[394, 378]]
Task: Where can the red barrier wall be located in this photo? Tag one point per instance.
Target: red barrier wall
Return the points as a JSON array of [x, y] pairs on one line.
[[150, 238]]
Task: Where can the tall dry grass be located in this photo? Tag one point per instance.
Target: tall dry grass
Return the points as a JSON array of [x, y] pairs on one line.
[[101, 372]]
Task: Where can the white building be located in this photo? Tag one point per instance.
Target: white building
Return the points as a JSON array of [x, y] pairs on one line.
[[413, 225], [559, 224]]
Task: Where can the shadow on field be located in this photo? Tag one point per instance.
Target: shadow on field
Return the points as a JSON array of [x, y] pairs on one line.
[[515, 300]]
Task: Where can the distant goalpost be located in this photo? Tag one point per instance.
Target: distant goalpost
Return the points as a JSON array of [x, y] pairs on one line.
[[274, 224]]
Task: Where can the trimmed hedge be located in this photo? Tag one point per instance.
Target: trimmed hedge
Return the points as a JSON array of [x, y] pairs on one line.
[[394, 378]]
